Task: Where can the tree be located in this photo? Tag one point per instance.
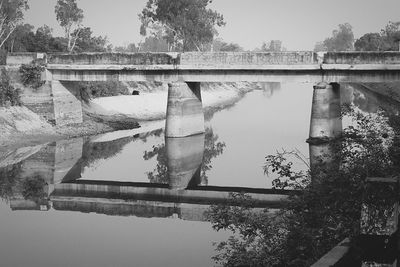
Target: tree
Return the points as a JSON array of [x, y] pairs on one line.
[[88, 43], [70, 18], [391, 36], [220, 45], [186, 24], [369, 42], [21, 38], [272, 46], [154, 44], [25, 39], [11, 15], [130, 48], [342, 39]]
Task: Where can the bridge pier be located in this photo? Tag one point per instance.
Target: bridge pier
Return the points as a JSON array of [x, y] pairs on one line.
[[325, 126], [184, 110], [184, 159], [67, 108], [326, 121]]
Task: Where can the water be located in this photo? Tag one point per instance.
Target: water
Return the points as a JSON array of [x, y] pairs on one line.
[[91, 219]]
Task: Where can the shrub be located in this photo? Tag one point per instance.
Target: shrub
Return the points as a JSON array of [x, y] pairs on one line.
[[89, 90], [31, 74], [326, 209], [8, 94]]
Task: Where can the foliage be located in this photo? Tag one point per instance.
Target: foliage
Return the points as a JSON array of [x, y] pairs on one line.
[[287, 177], [391, 36], [11, 15], [25, 39], [342, 40], [154, 44], [33, 188], [70, 17], [31, 74], [88, 43], [327, 209], [8, 93], [89, 90], [220, 45], [186, 24], [8, 179], [130, 48], [387, 40], [369, 42]]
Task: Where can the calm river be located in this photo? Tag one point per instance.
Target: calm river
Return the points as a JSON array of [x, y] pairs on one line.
[[80, 219]]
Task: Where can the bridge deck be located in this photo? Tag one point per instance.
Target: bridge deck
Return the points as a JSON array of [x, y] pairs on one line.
[[302, 66]]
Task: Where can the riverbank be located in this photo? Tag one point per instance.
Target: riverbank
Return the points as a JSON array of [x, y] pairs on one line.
[[21, 127]]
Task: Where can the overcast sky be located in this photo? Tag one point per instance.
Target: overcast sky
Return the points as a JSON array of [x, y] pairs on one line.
[[298, 23]]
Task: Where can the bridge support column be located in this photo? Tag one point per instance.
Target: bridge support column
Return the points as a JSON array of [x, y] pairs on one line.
[[67, 108], [326, 121], [184, 110], [325, 126], [184, 159]]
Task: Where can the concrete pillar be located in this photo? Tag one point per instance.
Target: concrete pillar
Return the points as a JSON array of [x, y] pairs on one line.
[[67, 108], [326, 122], [184, 110], [184, 159]]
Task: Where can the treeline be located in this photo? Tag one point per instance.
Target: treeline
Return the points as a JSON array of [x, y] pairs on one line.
[[342, 39]]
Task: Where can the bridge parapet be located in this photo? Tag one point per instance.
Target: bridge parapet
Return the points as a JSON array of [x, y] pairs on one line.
[[114, 59], [353, 58]]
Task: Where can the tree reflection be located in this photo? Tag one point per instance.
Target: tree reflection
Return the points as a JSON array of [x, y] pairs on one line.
[[8, 179], [212, 149], [33, 188], [324, 211]]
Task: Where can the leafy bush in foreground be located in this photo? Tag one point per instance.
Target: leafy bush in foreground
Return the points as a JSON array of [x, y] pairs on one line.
[[31, 74], [326, 209], [8, 94]]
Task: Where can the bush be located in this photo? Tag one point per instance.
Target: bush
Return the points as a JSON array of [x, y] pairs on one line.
[[8, 94], [328, 203], [31, 74], [89, 90]]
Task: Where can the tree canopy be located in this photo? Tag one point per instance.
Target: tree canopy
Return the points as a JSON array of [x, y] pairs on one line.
[[70, 17], [387, 40], [220, 45], [11, 15], [342, 40], [186, 24]]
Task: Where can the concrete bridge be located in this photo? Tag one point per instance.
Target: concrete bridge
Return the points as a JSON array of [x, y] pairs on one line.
[[185, 71]]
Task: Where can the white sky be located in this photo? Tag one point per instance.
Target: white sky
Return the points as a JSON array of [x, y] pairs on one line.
[[298, 23]]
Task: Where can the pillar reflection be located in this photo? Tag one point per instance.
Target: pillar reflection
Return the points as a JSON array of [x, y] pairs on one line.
[[184, 159]]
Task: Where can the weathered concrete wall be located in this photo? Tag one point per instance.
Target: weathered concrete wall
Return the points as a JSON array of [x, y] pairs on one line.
[[38, 100], [247, 58], [67, 108], [24, 58], [114, 58], [362, 58]]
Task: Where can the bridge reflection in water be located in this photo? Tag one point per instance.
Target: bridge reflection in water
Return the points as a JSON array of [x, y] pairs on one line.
[[60, 166]]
